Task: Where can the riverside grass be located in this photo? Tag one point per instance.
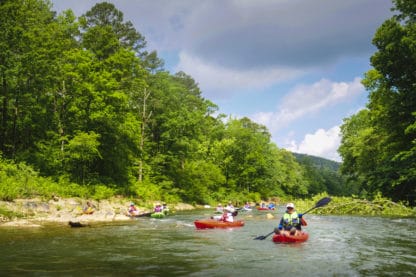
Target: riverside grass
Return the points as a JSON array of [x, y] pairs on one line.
[[379, 206], [21, 181]]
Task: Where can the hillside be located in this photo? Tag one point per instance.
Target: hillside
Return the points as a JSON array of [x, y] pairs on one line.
[[318, 161]]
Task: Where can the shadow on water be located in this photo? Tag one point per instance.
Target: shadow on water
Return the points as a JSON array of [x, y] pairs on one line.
[[338, 246]]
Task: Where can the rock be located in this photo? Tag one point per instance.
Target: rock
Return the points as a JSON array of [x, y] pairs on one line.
[[76, 224]]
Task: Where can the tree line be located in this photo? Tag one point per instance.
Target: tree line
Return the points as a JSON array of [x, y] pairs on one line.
[[378, 145], [83, 101]]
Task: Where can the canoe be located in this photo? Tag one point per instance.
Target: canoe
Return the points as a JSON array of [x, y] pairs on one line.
[[212, 223], [286, 237], [148, 214], [158, 215]]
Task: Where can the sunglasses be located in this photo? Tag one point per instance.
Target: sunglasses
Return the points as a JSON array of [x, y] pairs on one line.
[[290, 208]]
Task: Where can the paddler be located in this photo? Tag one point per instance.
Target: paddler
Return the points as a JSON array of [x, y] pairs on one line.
[[291, 221]]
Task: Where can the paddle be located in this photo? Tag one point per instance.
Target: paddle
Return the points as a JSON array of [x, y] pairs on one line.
[[318, 204]]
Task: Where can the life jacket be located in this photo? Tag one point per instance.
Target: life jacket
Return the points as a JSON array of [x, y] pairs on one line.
[[290, 220], [227, 217]]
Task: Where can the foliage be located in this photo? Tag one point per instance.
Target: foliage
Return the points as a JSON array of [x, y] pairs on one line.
[[103, 192], [88, 111], [101, 113], [324, 175], [318, 161], [378, 144], [6, 214], [342, 205], [379, 206], [21, 181]]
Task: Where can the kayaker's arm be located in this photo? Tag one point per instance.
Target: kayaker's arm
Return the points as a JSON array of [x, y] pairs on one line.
[[280, 227]]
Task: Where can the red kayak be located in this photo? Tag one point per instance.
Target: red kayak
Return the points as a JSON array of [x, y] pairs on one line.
[[212, 223], [286, 237], [264, 209]]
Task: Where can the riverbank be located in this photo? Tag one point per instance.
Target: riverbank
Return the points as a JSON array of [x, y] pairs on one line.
[[37, 212]]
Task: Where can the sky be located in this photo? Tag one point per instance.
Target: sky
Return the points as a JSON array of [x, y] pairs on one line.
[[294, 66]]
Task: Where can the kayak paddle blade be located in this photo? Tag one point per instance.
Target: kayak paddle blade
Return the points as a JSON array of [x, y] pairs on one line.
[[264, 237], [323, 202]]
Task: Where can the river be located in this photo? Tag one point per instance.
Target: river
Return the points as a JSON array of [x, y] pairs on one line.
[[337, 246]]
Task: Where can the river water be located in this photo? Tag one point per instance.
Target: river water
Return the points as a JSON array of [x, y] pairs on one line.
[[337, 246]]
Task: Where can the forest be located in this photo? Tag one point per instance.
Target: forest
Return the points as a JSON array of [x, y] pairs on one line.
[[87, 110]]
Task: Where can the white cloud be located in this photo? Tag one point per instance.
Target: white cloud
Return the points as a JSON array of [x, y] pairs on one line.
[[304, 100], [215, 80], [322, 143]]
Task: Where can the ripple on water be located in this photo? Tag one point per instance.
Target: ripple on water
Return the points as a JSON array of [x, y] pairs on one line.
[[338, 246]]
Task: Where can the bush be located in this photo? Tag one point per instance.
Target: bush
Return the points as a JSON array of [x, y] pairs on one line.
[[103, 192], [379, 206]]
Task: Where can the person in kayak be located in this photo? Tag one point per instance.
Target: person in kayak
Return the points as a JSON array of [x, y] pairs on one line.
[[133, 211], [158, 208], [230, 207], [89, 208], [227, 216], [291, 221], [219, 208], [165, 208]]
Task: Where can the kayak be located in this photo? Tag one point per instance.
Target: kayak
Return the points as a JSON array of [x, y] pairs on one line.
[[212, 223], [139, 215], [286, 237], [158, 215], [264, 209]]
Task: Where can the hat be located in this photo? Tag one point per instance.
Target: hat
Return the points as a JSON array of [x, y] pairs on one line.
[[131, 204], [290, 205]]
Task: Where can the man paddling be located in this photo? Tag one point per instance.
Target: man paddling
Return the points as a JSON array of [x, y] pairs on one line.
[[291, 221], [323, 202]]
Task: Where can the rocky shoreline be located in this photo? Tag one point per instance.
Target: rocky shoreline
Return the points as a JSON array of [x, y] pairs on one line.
[[37, 212]]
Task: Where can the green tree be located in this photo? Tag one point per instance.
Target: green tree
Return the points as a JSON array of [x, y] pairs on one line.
[[24, 71], [106, 31], [379, 144], [83, 149]]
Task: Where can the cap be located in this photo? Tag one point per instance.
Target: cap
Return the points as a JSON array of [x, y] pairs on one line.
[[290, 205]]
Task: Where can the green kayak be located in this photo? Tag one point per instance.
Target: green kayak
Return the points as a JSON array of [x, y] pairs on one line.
[[158, 215]]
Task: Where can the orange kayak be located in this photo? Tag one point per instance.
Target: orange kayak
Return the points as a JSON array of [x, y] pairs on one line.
[[212, 223], [286, 237]]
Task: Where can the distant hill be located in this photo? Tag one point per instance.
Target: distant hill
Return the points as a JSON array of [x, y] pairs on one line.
[[318, 161]]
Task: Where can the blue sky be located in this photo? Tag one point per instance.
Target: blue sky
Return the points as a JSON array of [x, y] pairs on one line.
[[292, 65]]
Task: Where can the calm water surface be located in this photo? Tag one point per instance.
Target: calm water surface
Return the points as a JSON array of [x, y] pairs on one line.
[[337, 246]]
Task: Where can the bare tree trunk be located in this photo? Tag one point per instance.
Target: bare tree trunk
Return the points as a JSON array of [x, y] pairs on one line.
[[4, 117], [144, 118], [59, 111]]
